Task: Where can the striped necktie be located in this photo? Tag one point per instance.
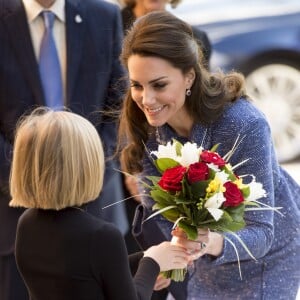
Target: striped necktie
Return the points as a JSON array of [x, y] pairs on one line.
[[49, 66]]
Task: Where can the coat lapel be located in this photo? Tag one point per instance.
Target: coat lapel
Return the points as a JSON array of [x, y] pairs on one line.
[[14, 17], [75, 24]]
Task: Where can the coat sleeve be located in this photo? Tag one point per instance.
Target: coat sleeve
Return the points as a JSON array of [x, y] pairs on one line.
[[112, 270], [256, 149]]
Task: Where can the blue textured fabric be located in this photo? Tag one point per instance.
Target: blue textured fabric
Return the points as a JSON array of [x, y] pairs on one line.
[[49, 65], [272, 238]]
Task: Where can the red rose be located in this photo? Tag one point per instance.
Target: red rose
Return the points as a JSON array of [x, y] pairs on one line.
[[197, 171], [232, 194], [212, 157], [171, 179]]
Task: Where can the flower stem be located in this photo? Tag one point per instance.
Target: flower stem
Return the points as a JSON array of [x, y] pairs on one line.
[[176, 274]]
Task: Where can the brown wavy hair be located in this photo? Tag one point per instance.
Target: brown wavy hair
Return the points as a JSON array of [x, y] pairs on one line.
[[162, 35]]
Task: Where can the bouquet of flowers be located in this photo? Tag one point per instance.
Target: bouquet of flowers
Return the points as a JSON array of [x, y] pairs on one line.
[[199, 188]]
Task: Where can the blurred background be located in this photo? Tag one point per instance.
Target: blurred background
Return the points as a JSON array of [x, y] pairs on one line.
[[261, 39]]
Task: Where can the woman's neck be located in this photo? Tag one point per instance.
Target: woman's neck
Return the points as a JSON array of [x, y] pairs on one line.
[[182, 125], [139, 11]]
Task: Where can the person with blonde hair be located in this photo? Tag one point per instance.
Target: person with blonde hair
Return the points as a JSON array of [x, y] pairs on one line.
[[62, 251]]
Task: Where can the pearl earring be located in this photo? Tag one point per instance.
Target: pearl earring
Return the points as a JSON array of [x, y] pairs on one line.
[[188, 92]]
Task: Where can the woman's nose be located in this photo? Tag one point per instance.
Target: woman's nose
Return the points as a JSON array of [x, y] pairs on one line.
[[148, 97]]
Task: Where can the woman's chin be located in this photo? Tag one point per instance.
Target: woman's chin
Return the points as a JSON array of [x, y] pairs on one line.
[[156, 123]]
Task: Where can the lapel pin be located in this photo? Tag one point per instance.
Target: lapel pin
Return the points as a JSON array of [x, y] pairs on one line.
[[78, 19]]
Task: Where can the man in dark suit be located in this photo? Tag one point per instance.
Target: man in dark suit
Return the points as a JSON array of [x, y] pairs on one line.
[[88, 38]]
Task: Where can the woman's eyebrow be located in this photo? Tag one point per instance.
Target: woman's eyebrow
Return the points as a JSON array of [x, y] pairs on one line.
[[162, 77], [151, 81]]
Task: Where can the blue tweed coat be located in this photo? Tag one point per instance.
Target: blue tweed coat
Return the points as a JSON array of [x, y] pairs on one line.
[[272, 238]]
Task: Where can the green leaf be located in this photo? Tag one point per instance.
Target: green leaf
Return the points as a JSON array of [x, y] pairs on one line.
[[200, 215], [233, 226], [251, 203], [184, 201], [214, 147], [230, 173], [190, 230], [246, 191], [236, 213], [153, 179], [198, 189], [162, 211], [230, 226], [186, 211], [186, 189], [162, 164], [228, 222], [178, 147], [162, 197], [156, 206], [171, 215]]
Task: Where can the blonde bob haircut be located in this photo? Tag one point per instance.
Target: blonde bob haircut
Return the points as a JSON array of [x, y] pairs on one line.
[[58, 161]]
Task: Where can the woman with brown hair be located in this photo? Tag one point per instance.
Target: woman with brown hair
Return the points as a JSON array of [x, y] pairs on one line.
[[172, 96]]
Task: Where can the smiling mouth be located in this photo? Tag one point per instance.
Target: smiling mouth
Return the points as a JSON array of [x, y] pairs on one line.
[[155, 110]]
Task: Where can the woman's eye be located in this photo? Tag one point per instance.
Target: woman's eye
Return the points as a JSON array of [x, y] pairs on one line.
[[135, 86], [159, 85]]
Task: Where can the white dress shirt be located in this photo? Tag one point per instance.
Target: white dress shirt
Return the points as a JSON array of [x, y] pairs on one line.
[[36, 25]]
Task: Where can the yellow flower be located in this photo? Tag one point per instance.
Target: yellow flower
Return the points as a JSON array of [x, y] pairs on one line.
[[215, 186], [239, 183]]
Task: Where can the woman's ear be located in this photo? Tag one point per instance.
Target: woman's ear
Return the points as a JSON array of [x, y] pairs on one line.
[[190, 76]]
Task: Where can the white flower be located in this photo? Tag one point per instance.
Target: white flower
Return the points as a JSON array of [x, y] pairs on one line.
[[222, 176], [213, 167], [216, 213], [166, 151], [256, 191], [213, 203], [190, 154]]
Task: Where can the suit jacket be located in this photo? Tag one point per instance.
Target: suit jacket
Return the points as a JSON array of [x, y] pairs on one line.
[[93, 74]]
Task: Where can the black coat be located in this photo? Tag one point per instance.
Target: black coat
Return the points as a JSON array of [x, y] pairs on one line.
[[69, 254]]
